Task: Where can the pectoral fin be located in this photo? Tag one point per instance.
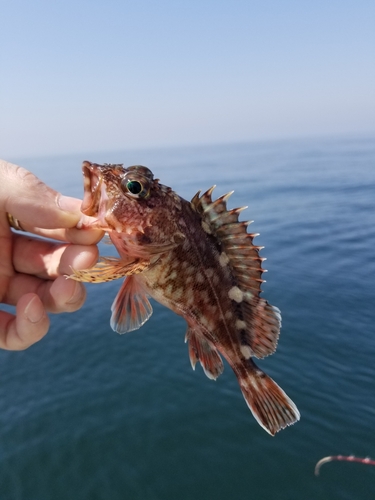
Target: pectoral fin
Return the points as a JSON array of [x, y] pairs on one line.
[[203, 351], [131, 307], [108, 269]]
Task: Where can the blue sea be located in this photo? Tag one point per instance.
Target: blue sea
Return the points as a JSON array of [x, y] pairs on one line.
[[88, 414]]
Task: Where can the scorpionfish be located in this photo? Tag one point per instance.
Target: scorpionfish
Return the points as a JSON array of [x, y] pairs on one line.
[[197, 259]]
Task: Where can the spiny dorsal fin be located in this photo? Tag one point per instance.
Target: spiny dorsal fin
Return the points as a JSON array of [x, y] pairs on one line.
[[262, 321], [236, 243]]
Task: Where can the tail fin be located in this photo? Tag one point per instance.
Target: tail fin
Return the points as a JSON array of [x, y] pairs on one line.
[[269, 404]]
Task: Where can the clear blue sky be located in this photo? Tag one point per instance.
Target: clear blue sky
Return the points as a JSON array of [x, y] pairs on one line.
[[90, 75]]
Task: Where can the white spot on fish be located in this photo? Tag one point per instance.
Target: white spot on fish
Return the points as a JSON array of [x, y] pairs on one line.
[[248, 296], [210, 272], [236, 294], [178, 294], [206, 228], [206, 322], [173, 275], [189, 298], [246, 351], [223, 259], [212, 309], [199, 278], [240, 325], [204, 296]]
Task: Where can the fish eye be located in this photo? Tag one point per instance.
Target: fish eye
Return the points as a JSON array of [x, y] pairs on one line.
[[134, 188]]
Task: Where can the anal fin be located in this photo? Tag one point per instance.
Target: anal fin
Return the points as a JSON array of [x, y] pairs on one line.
[[203, 351], [131, 307]]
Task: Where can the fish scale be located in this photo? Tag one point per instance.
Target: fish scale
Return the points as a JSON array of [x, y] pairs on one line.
[[197, 259]]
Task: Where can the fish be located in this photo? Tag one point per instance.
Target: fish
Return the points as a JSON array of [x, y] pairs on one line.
[[197, 259]]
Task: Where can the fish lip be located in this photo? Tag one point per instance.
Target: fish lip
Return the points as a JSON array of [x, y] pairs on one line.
[[92, 181]]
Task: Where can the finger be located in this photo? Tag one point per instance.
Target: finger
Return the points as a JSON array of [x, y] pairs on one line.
[[63, 295], [88, 235], [6, 245], [29, 325], [47, 259], [60, 295], [28, 199], [73, 235]]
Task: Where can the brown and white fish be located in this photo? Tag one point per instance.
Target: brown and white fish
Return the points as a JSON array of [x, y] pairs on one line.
[[197, 259]]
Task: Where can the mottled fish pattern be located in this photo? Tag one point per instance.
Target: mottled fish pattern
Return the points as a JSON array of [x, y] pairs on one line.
[[197, 259]]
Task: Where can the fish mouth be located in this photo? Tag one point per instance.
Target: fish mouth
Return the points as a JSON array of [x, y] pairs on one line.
[[92, 181]]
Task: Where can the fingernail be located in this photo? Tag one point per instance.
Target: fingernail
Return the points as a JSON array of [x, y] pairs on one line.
[[68, 204], [34, 311]]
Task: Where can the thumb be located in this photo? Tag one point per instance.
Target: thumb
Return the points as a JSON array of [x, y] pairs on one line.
[[31, 201]]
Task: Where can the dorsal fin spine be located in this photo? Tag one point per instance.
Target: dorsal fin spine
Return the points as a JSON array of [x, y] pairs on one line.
[[195, 200], [220, 202]]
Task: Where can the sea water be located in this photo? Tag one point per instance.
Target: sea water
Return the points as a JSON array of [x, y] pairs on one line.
[[88, 414]]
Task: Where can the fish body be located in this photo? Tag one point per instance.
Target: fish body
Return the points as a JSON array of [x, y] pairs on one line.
[[197, 259]]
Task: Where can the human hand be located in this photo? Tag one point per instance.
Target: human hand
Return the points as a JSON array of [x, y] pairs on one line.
[[31, 269]]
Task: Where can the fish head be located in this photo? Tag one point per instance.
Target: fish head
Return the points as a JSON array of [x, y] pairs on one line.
[[130, 202]]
